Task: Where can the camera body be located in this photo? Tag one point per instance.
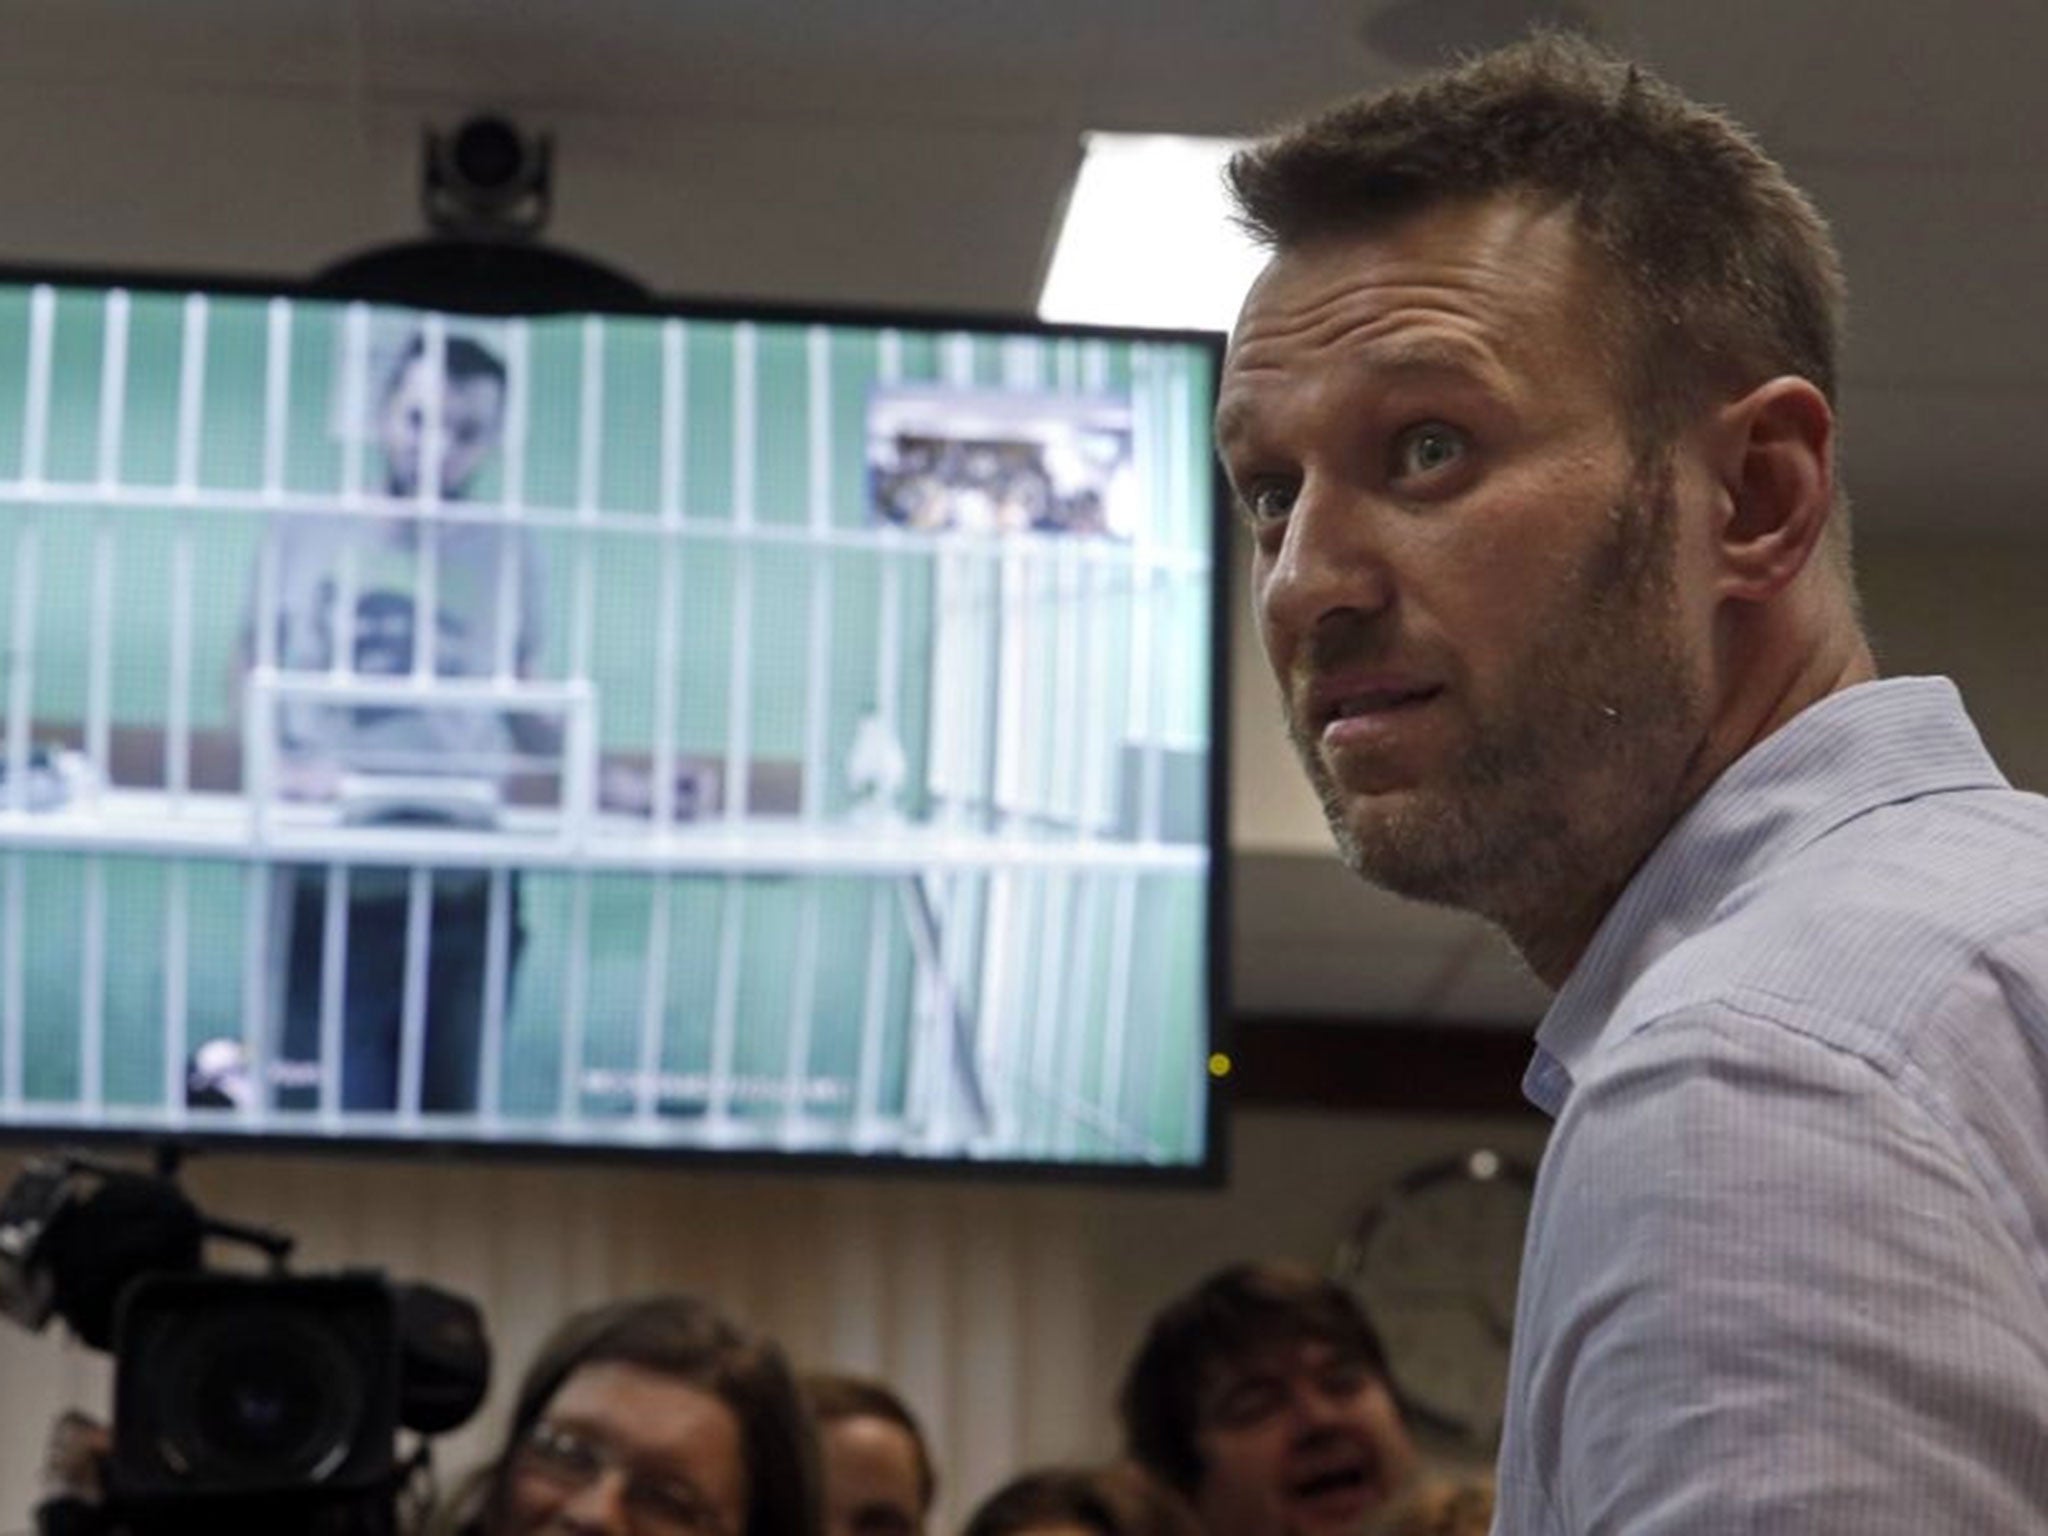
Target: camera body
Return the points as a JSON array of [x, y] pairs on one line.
[[268, 1403], [255, 1398]]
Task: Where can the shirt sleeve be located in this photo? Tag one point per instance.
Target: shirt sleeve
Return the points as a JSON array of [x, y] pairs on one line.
[[1766, 1293]]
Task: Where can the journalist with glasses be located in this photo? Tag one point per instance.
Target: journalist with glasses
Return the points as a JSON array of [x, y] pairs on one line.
[[649, 1417]]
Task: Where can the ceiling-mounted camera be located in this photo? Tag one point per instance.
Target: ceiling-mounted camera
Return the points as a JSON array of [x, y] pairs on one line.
[[489, 179]]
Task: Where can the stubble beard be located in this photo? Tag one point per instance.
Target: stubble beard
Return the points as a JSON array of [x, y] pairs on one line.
[[1570, 782]]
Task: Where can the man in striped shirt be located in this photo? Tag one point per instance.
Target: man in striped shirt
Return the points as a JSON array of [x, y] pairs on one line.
[[1531, 418]]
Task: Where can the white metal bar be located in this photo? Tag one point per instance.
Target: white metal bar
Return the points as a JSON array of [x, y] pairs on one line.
[[575, 1000], [803, 1002], [177, 980], [35, 425], [356, 430], [1023, 363], [874, 1019], [113, 387], [99, 677], [92, 986], [426, 628], [1049, 1018], [13, 980], [1149, 591], [957, 919], [589, 462], [191, 394], [333, 987], [1095, 367], [996, 1006], [1015, 671], [268, 599], [924, 1063], [1077, 994], [889, 642], [510, 542], [178, 702], [818, 657], [100, 649], [675, 403], [277, 385], [412, 1018], [517, 405], [999, 620], [889, 557], [956, 359], [229, 505], [653, 999], [725, 1014], [21, 658], [498, 921], [740, 695], [1075, 749], [667, 618], [1120, 997], [257, 960]]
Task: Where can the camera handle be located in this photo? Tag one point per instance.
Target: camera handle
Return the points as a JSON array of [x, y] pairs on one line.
[[169, 1158]]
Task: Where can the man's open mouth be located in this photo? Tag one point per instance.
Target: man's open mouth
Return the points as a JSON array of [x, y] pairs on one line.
[[1379, 700], [1332, 1482]]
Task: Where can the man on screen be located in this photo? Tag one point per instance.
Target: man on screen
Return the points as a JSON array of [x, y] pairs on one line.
[[1531, 418], [356, 584]]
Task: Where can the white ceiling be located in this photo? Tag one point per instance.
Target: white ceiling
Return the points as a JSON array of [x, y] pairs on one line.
[[913, 152]]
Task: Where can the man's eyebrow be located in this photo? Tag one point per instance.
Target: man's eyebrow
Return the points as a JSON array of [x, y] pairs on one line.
[[1392, 359], [1425, 355], [1230, 420]]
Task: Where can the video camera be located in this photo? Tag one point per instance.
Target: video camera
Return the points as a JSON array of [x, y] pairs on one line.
[[243, 1402]]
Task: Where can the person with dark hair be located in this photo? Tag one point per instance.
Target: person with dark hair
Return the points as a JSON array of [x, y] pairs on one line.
[[344, 593], [877, 1468], [1116, 1500], [1531, 417], [1262, 1396], [649, 1417]]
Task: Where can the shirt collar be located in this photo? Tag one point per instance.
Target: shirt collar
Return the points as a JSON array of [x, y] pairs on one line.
[[1867, 746]]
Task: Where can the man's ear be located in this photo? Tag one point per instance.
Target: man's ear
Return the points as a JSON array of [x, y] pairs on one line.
[[1776, 463]]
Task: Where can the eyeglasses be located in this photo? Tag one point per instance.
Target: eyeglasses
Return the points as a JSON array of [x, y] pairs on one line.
[[658, 1501]]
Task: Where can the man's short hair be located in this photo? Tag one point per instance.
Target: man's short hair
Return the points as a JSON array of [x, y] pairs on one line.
[[1232, 1318], [463, 359], [689, 1340], [833, 1397], [1117, 1500], [1724, 274]]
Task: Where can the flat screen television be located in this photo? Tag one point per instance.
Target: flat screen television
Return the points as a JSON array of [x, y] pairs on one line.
[[813, 755]]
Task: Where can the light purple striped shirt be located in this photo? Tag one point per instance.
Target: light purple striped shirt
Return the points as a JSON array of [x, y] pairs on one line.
[[1787, 1268]]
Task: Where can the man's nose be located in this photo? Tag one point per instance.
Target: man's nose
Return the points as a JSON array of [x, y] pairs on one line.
[[1331, 561]]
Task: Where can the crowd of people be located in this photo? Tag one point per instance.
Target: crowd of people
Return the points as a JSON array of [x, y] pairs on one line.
[[1258, 1404]]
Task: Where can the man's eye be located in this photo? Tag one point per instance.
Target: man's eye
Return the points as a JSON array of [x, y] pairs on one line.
[[1266, 501], [1345, 1380], [1248, 1404], [1425, 449]]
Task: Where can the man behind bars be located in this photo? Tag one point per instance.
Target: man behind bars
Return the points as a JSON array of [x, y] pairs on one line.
[[1531, 417], [355, 585]]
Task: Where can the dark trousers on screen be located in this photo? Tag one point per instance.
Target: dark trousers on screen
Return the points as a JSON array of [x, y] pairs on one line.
[[373, 994]]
